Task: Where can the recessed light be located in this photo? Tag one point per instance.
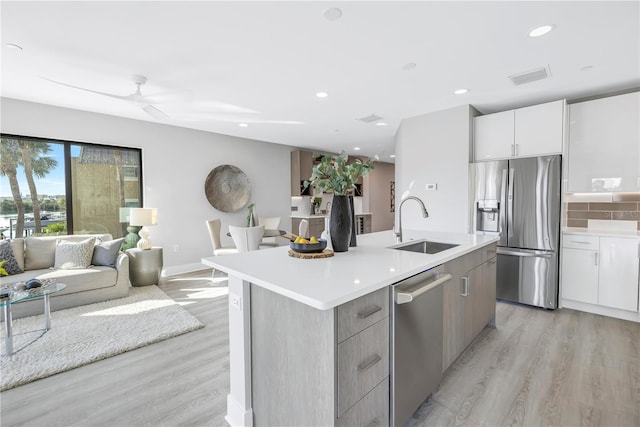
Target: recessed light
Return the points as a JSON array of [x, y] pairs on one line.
[[393, 156], [356, 148], [541, 31], [14, 46], [356, 281], [322, 94], [381, 124], [460, 91], [243, 125], [332, 14], [409, 66]]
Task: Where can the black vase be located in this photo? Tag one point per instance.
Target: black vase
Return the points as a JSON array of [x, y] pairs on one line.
[[340, 223], [352, 241]]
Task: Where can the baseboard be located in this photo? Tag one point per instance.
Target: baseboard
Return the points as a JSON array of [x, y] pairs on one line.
[[182, 269], [237, 415], [603, 311]]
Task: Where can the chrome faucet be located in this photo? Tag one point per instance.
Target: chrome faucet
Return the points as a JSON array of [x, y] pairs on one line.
[[425, 214]]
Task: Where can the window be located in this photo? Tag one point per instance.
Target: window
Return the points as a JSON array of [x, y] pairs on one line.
[[50, 186]]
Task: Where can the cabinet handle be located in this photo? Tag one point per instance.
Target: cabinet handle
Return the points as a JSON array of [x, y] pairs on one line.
[[374, 423], [513, 150], [596, 258], [369, 312], [579, 241], [368, 364], [465, 281]]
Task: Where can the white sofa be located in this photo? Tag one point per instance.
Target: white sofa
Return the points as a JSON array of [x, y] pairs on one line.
[[84, 285]]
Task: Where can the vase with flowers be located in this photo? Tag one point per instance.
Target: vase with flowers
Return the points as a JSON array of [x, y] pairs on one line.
[[337, 175]]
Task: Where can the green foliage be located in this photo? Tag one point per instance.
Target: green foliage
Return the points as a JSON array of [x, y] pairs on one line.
[[335, 175], [57, 227], [250, 219], [3, 272]]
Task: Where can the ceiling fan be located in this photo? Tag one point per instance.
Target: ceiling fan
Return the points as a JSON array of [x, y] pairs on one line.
[[224, 112], [145, 102]]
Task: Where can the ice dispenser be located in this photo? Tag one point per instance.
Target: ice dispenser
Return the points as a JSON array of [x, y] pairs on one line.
[[488, 215]]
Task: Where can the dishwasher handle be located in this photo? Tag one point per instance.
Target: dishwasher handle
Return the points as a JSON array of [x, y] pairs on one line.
[[406, 297]]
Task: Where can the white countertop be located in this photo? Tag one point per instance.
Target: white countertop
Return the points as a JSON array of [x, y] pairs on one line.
[[601, 232], [326, 283]]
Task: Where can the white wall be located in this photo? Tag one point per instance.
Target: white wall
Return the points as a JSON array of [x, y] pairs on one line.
[[175, 164], [435, 148]]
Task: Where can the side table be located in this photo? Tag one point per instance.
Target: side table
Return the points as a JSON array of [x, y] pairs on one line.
[[145, 266]]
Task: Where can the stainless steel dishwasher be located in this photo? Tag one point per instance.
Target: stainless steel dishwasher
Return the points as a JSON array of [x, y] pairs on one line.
[[416, 341]]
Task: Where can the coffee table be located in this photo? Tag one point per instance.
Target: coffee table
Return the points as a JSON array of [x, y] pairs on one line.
[[19, 296]]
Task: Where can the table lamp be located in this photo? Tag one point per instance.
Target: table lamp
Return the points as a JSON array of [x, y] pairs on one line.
[[143, 217]]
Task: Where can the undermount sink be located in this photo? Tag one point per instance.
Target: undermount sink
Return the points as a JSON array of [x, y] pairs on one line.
[[425, 247]]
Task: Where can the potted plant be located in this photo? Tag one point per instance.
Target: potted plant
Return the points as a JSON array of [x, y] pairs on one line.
[[335, 174]]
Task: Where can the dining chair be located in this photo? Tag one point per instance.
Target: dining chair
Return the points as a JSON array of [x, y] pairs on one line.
[[247, 238], [303, 228], [214, 226], [270, 223]]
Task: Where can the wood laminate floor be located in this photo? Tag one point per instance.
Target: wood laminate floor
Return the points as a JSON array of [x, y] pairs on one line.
[[559, 368]]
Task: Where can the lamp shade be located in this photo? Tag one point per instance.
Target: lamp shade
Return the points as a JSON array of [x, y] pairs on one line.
[[143, 216]]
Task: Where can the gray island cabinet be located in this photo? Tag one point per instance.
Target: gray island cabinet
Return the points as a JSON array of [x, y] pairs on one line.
[[319, 367], [309, 340]]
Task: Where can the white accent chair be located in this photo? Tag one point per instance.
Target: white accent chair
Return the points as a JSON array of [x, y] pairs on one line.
[[303, 228], [271, 223], [214, 226], [247, 238]]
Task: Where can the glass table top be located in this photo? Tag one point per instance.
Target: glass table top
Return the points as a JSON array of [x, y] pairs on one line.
[[35, 293]]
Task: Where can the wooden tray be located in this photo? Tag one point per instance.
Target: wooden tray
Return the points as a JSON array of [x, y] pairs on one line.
[[324, 254]]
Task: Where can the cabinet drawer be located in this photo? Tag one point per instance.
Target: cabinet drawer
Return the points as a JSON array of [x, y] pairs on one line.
[[372, 410], [577, 241], [361, 313], [363, 362]]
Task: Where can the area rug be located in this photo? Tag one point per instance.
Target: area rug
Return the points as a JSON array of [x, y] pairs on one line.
[[89, 333]]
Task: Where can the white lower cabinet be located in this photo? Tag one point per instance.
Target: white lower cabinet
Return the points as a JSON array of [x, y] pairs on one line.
[[580, 275], [601, 271], [618, 277]]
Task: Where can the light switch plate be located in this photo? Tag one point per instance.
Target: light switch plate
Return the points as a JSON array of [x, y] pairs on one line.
[[432, 187]]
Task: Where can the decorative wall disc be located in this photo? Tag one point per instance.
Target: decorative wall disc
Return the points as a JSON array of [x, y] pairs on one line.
[[227, 188]]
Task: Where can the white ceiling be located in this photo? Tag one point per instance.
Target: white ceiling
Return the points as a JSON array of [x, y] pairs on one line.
[[272, 57]]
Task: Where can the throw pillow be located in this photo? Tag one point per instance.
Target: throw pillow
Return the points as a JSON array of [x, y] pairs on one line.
[[39, 252], [6, 255], [106, 253], [71, 255]]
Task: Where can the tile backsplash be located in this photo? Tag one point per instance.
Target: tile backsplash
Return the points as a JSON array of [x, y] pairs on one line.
[[623, 207]]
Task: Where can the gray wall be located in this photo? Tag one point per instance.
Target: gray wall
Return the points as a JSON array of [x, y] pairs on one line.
[[435, 148], [176, 162]]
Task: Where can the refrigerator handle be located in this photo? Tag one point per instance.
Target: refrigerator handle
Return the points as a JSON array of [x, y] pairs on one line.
[[503, 201], [510, 201]]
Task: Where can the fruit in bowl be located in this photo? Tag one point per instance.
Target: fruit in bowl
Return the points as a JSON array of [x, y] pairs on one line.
[[313, 245]]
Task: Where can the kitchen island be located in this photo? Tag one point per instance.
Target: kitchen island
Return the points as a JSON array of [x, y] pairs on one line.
[[276, 374]]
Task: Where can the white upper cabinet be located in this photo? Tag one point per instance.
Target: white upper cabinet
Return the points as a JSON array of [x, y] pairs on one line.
[[604, 145], [539, 129], [493, 135], [525, 132]]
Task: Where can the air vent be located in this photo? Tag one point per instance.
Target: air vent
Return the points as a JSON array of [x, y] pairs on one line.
[[529, 76], [370, 119]]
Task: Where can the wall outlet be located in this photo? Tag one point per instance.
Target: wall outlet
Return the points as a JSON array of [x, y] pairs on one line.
[[235, 301], [176, 248], [432, 187]]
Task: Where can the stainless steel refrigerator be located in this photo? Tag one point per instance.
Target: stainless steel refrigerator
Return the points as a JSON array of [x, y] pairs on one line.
[[520, 200]]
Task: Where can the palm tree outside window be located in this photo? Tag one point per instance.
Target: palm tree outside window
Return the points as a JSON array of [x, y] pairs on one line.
[[52, 186]]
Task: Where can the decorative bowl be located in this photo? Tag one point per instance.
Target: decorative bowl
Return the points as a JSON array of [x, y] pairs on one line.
[[309, 248]]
